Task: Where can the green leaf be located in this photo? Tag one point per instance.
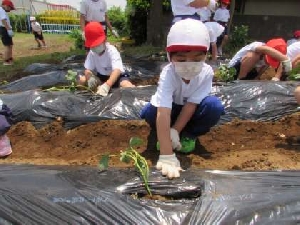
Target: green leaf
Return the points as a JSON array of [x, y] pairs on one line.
[[135, 142], [124, 157], [103, 162]]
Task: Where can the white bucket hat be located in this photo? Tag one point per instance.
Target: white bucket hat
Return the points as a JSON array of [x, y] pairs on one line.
[[32, 18]]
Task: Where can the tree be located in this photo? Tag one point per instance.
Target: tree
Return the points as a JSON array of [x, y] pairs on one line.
[[155, 33]]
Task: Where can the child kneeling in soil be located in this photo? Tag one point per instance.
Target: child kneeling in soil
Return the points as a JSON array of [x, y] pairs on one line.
[[182, 105], [253, 59], [37, 32], [5, 119], [105, 60]]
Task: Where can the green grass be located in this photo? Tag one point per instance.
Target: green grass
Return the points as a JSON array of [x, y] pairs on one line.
[[59, 48]]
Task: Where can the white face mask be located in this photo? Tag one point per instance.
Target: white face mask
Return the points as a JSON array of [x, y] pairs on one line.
[[99, 49], [188, 70]]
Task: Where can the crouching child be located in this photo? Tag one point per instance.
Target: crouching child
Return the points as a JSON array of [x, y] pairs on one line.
[[182, 108], [103, 65]]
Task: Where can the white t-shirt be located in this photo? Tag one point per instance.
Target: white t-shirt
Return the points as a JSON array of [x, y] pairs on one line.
[[243, 51], [36, 26], [93, 11], [181, 7], [106, 63], [204, 14], [222, 15], [291, 41], [293, 50], [214, 30], [171, 87], [4, 16]]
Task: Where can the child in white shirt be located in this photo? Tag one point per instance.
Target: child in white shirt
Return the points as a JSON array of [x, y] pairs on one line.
[[182, 105], [215, 30], [293, 53], [6, 31], [296, 37], [37, 32], [205, 14], [222, 16], [105, 60], [183, 9], [253, 59]]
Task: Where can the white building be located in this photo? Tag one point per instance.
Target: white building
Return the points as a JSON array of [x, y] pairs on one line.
[[34, 7]]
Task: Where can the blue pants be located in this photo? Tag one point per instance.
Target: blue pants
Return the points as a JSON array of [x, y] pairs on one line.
[[207, 114]]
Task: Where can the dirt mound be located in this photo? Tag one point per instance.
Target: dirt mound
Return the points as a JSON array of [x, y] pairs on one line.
[[244, 145]]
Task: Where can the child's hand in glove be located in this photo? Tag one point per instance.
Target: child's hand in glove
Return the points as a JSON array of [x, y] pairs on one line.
[[169, 166], [103, 89]]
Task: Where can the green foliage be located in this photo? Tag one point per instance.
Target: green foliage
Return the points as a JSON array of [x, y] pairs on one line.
[[19, 23], [294, 74], [103, 162], [76, 35], [140, 163], [141, 4], [238, 39], [118, 20], [225, 74], [137, 12], [71, 77]]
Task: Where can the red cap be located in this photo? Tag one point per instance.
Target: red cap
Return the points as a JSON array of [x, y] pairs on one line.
[[280, 45], [8, 3], [94, 34], [297, 34], [227, 2]]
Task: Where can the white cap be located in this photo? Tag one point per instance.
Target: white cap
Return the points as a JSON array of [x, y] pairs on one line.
[[188, 35], [32, 18]]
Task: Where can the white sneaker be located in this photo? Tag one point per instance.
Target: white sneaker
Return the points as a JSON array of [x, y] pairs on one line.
[[5, 147]]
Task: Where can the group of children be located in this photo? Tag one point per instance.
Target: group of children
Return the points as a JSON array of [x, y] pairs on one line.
[[214, 17]]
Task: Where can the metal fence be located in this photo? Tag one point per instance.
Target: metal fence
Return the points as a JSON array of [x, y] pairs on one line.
[[59, 28]]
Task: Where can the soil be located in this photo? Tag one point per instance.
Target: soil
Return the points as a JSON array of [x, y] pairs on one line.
[[238, 145]]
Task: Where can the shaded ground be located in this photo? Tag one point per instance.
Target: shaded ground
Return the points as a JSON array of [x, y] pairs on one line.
[[241, 145]]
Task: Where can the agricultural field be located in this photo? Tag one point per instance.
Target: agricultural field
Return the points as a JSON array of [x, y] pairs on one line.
[[66, 168], [245, 145]]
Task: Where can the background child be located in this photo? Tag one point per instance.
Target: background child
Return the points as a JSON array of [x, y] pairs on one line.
[[182, 105], [103, 58], [205, 14], [37, 32], [6, 32], [188, 9], [296, 37], [253, 59], [215, 30], [222, 16]]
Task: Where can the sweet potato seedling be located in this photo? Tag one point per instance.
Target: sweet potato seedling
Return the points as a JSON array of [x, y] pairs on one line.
[[71, 77], [294, 74], [140, 163], [225, 74]]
